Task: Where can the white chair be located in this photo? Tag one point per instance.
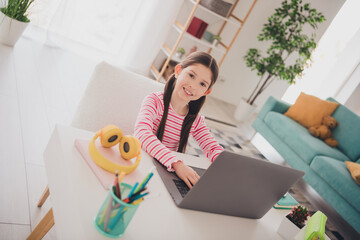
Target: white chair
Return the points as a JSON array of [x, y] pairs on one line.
[[113, 96]]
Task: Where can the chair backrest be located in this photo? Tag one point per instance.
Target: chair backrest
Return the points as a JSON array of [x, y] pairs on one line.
[[113, 96]]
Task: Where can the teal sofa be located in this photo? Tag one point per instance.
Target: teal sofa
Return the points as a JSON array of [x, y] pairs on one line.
[[324, 167]]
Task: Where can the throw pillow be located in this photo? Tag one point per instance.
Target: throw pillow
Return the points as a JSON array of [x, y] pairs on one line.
[[354, 169], [309, 110]]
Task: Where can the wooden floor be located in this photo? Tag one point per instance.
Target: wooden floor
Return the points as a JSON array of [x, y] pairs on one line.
[[40, 86]]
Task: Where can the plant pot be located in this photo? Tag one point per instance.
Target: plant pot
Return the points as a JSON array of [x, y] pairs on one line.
[[287, 229], [244, 110], [179, 55], [215, 42], [10, 29]]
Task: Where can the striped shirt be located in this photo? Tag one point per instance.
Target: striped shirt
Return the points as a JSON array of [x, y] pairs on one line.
[[148, 122]]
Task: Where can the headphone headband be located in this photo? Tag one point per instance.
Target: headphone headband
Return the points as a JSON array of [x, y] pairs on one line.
[[108, 165]]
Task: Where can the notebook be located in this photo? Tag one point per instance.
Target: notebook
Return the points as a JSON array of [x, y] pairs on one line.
[[286, 202], [106, 178], [235, 185]]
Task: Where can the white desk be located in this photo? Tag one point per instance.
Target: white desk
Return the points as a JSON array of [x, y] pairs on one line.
[[76, 196]]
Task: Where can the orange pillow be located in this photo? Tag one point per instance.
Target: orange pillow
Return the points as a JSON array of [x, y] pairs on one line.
[[309, 110], [354, 169]]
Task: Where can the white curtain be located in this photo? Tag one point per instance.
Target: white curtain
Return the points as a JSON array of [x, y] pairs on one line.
[[122, 32]]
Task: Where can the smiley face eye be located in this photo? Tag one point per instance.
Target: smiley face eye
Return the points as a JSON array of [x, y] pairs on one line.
[[112, 138], [126, 147]]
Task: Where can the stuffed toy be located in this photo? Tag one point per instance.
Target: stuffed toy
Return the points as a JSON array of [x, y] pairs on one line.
[[323, 130]]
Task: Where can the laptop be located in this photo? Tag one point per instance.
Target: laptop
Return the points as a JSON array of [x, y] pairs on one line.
[[234, 184]]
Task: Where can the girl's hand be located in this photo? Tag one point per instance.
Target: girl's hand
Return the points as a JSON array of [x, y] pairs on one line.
[[186, 173]]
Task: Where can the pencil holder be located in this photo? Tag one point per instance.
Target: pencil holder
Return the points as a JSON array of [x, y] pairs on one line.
[[114, 214]]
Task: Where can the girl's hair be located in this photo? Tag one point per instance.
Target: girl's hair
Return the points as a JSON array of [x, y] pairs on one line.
[[194, 106]]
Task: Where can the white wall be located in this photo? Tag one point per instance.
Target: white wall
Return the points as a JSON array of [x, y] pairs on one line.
[[239, 79]]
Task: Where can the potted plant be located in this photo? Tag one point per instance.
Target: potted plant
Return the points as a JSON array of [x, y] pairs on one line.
[[285, 31], [293, 222], [180, 52], [216, 40], [13, 20]]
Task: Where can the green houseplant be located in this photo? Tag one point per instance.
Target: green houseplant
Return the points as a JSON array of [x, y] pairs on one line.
[[293, 222], [180, 52], [285, 31], [13, 20], [298, 216], [216, 39]]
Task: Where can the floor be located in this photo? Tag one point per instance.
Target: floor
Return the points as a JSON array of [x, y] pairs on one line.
[[40, 86]]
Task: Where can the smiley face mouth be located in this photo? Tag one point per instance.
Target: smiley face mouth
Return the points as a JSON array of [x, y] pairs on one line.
[[187, 92]]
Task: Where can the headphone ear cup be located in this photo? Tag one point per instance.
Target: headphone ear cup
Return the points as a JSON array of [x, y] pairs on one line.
[[129, 147], [110, 136]]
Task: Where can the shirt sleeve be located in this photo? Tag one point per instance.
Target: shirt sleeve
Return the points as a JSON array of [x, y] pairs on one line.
[[144, 132], [205, 140]]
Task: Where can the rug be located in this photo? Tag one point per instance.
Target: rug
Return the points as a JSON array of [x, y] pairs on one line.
[[231, 139]]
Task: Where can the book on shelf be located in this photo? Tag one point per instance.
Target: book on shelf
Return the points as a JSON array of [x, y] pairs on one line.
[[197, 27], [286, 202]]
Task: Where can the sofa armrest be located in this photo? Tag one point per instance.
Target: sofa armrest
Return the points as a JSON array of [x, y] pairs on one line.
[[273, 104]]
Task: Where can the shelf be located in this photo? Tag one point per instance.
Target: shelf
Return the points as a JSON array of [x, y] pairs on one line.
[[167, 53], [237, 24], [202, 42], [156, 73], [181, 29]]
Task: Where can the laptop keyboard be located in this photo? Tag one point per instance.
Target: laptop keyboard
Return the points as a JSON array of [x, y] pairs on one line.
[[182, 187]]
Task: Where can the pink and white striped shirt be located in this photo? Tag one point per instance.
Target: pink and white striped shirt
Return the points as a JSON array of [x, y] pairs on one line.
[[148, 121]]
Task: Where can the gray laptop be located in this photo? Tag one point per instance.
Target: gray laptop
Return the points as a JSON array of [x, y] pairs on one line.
[[234, 184]]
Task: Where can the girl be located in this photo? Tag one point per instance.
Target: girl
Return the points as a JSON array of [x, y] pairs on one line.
[[166, 119]]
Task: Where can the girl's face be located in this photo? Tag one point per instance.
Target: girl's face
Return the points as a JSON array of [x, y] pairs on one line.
[[192, 82]]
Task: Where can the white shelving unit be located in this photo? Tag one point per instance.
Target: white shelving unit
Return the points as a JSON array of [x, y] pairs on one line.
[[158, 69]]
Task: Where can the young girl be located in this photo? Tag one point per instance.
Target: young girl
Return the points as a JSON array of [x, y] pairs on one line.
[[166, 119]]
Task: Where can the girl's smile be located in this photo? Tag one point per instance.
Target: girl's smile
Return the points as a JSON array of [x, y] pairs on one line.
[[187, 92]]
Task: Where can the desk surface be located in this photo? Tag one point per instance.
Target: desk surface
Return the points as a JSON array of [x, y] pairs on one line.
[[76, 196]]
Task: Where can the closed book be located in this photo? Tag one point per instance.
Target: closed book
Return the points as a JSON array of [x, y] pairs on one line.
[[197, 27], [286, 202], [201, 30], [194, 26]]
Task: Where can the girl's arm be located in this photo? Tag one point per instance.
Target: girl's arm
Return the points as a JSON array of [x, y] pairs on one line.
[[144, 132], [205, 140]]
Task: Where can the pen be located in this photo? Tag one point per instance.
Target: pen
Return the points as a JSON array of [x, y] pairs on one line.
[[137, 197], [133, 195], [133, 189], [146, 180]]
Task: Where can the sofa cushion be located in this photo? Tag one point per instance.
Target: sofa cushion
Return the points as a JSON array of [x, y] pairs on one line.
[[336, 174], [309, 110], [347, 133], [354, 169], [299, 139]]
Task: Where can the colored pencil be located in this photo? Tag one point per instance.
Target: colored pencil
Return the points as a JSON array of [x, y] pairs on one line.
[[116, 184]]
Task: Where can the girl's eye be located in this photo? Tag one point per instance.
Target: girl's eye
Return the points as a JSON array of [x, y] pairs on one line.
[[191, 75], [203, 84]]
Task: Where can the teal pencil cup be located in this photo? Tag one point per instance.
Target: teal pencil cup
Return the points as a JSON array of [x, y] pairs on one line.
[[115, 215]]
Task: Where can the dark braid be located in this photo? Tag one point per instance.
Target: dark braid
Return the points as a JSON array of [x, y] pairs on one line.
[[169, 88]]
